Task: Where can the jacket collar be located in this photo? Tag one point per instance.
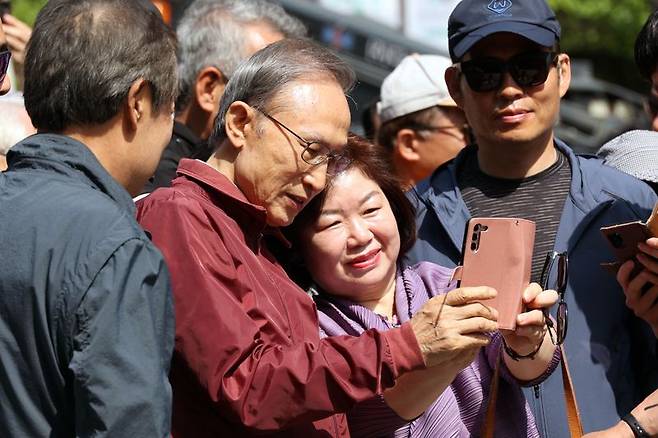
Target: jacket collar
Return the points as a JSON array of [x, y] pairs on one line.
[[216, 188], [71, 158], [441, 192]]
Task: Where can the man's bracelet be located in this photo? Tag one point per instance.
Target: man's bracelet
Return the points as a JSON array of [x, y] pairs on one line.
[[636, 427], [516, 356]]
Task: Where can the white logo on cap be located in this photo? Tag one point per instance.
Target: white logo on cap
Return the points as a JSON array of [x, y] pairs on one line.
[[499, 6]]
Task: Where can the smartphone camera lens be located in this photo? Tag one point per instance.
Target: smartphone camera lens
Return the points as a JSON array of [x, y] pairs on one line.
[[616, 240], [474, 246]]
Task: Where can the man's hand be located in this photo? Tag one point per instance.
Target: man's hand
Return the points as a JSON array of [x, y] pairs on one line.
[[18, 34], [642, 291], [451, 327]]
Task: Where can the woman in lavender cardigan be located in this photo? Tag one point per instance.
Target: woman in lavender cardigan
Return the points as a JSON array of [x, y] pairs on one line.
[[350, 237]]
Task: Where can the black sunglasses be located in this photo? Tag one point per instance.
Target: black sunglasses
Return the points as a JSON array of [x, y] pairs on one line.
[[528, 69], [4, 64], [558, 330]]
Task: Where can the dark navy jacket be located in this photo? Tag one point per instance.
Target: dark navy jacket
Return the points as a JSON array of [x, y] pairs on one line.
[[611, 353], [86, 313]]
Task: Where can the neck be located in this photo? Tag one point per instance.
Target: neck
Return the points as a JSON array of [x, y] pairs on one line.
[[405, 177], [384, 303], [517, 160], [223, 160], [200, 122], [110, 148]]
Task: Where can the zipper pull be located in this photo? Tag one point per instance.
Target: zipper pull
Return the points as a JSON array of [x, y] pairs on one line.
[[536, 390]]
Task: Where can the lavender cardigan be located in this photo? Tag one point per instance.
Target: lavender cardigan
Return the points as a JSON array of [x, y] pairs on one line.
[[459, 410]]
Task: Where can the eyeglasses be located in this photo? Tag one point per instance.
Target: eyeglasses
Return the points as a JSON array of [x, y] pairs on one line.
[[314, 153], [528, 69], [464, 129], [4, 64], [558, 330]]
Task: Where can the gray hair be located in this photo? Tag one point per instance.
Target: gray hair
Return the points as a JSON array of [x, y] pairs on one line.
[[212, 33], [261, 78]]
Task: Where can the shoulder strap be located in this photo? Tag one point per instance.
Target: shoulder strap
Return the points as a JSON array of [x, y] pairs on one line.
[[490, 416], [573, 414]]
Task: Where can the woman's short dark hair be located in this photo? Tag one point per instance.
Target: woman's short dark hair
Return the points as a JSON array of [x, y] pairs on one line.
[[646, 46], [84, 56], [370, 159]]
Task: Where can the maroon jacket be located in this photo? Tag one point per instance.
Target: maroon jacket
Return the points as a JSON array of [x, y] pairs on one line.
[[248, 356]]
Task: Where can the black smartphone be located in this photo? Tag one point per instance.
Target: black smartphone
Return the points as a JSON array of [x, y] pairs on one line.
[[5, 7]]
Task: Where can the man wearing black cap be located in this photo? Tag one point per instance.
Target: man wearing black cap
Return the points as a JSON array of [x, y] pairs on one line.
[[509, 76]]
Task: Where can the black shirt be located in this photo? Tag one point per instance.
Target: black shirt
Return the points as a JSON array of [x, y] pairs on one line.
[[183, 144], [539, 198]]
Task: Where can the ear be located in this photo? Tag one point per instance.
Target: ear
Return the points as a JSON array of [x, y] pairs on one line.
[[138, 103], [209, 88], [564, 73], [453, 79], [406, 145], [240, 119]]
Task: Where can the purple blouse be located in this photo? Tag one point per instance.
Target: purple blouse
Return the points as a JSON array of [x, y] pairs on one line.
[[459, 410]]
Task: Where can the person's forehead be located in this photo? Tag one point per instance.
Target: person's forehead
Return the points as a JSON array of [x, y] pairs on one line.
[[501, 42]]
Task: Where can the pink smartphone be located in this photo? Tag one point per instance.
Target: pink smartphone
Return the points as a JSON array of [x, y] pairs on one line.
[[498, 253]]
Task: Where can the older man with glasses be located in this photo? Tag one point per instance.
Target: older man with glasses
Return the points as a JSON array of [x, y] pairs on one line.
[[509, 76], [248, 358]]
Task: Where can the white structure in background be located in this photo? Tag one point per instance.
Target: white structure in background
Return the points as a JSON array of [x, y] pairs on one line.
[[423, 20]]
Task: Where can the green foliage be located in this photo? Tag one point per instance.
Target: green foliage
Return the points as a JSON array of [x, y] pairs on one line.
[[27, 10], [603, 31]]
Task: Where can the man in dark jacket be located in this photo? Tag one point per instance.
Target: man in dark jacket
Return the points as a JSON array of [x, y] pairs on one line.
[[86, 316], [215, 36], [509, 78]]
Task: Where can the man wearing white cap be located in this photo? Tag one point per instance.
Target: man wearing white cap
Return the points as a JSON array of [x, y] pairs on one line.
[[422, 126]]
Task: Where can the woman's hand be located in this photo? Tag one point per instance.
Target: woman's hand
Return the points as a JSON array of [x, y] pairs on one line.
[[531, 325], [642, 290], [531, 335]]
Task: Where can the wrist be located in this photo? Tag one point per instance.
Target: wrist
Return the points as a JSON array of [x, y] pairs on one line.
[[637, 430], [622, 430], [516, 355]]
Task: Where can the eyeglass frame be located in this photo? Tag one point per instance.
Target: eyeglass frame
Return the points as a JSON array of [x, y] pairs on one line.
[[3, 74], [465, 130], [324, 157], [558, 330], [553, 61]]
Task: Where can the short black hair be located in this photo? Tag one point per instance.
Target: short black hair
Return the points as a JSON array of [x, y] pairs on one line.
[[646, 46], [84, 56]]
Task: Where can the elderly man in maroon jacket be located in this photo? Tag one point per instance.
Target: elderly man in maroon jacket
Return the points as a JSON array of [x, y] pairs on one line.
[[248, 358]]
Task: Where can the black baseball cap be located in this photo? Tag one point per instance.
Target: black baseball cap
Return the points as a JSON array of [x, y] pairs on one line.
[[473, 20]]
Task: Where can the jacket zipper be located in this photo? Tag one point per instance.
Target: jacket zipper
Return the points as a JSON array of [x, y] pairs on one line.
[[540, 418]]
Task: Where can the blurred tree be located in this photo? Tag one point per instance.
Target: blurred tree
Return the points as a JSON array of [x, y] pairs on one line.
[[604, 31], [26, 10]]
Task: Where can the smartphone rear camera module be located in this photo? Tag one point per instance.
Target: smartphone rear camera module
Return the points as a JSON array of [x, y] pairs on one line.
[[616, 240]]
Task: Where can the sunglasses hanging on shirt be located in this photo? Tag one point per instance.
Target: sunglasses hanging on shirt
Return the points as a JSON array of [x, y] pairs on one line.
[[528, 69]]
